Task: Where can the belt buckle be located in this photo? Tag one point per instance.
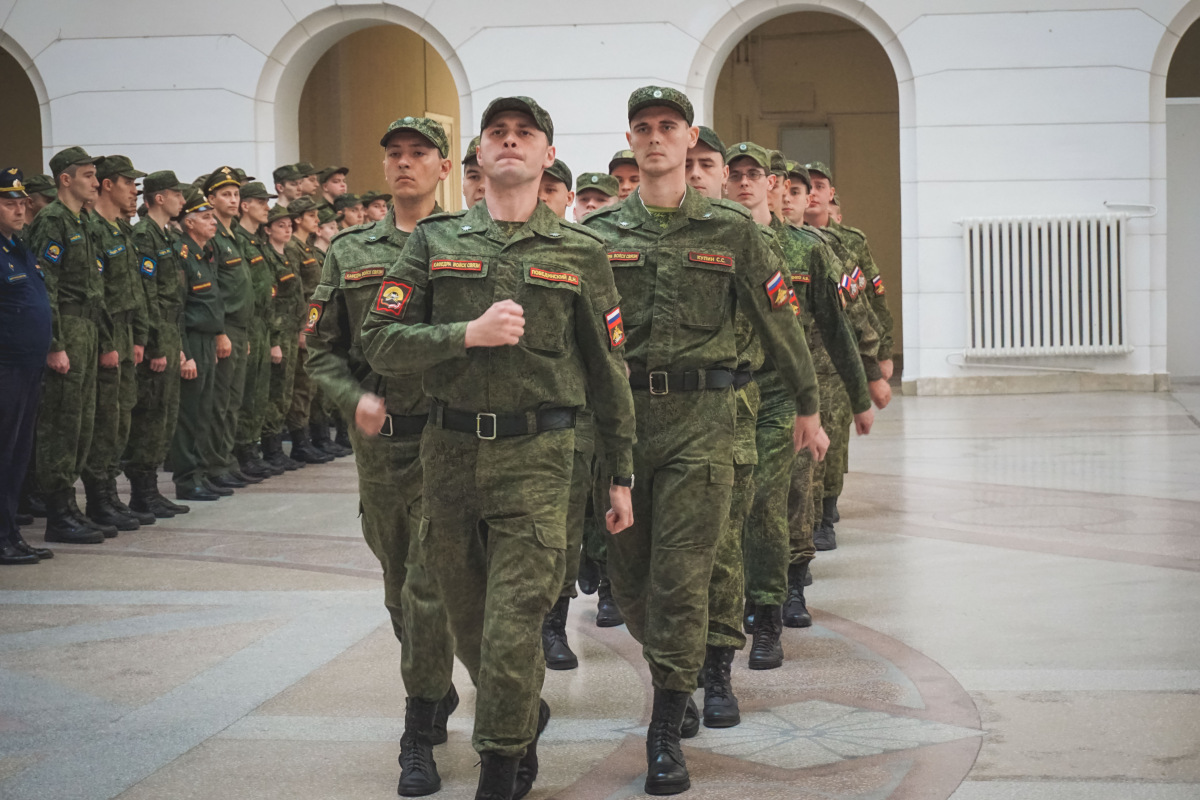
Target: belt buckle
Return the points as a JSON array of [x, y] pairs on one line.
[[663, 387], [479, 418], [386, 430]]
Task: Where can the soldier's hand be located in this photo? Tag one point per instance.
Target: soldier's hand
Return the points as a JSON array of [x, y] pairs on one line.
[[886, 368], [881, 393], [224, 346], [502, 324], [276, 355], [139, 354], [59, 362], [620, 516], [110, 360], [809, 436], [302, 342], [863, 422], [247, 348], [187, 370], [370, 414], [158, 364]]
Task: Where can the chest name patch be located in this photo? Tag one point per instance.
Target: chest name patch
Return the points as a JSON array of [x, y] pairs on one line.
[[711, 258], [361, 274], [75, 237], [393, 298], [623, 256], [802, 277], [287, 277], [559, 277], [149, 266], [456, 265], [314, 316], [200, 287], [616, 328], [308, 261], [256, 259], [777, 291], [116, 251]]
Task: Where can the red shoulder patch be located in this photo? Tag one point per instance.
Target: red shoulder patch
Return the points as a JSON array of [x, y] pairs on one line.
[[777, 290], [393, 298], [616, 328], [314, 316]]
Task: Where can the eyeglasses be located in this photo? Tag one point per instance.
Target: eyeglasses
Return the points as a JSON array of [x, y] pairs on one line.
[[751, 175]]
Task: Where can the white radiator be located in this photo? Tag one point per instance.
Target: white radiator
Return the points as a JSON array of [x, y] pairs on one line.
[[1045, 286]]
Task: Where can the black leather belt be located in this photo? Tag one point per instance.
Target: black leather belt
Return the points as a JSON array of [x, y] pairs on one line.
[[660, 382], [396, 425], [486, 425]]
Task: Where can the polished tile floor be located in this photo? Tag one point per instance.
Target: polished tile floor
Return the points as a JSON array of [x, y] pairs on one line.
[[1012, 613]]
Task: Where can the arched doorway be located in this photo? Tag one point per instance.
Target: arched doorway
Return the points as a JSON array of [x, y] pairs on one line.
[[363, 83], [1183, 207], [21, 140], [820, 87]]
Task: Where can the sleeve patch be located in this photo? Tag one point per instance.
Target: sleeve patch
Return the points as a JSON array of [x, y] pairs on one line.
[[616, 327], [53, 252], [842, 296], [560, 277], [149, 266], [455, 264], [712, 258], [877, 282], [777, 291], [100, 266], [362, 274], [849, 286], [622, 256], [314, 316], [393, 298], [795, 301], [859, 280]]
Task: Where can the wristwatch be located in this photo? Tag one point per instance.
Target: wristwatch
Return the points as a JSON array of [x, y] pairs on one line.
[[617, 480]]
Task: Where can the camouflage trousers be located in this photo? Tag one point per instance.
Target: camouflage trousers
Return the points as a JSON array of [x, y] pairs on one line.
[[304, 396], [283, 379], [595, 532], [765, 544], [662, 566], [582, 477], [389, 491], [836, 419], [726, 589], [193, 431], [116, 395], [67, 410], [494, 537], [228, 383], [157, 409], [802, 509], [257, 389]]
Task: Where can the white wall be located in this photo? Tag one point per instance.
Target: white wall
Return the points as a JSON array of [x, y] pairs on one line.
[[1007, 106], [1183, 251]]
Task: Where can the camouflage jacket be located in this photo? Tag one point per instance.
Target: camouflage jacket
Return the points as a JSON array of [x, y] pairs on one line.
[[123, 290], [58, 238], [162, 280]]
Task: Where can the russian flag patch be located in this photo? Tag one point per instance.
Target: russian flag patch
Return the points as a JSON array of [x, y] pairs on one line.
[[616, 328]]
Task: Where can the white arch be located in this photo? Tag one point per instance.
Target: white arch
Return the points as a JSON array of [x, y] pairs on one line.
[[14, 49], [277, 98]]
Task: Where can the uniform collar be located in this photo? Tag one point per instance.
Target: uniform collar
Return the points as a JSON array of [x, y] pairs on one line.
[[695, 206], [385, 229], [543, 222]]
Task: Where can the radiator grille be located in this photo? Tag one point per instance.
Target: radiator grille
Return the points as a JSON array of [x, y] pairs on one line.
[[1046, 286]]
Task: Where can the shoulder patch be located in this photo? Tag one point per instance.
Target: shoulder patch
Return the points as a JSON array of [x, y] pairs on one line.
[[616, 328], [53, 252], [877, 283], [778, 291], [393, 298], [148, 267], [314, 316]]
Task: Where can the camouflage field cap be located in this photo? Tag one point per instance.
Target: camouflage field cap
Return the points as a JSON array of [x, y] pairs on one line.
[[72, 156], [346, 201], [220, 177], [256, 191], [287, 172], [709, 138], [778, 163], [560, 171], [41, 184], [520, 103], [198, 183], [472, 157], [819, 168], [325, 213], [12, 184], [113, 166], [194, 202], [650, 96], [306, 169], [242, 177], [371, 197], [621, 157], [759, 154], [277, 213], [598, 181], [329, 172], [797, 172], [301, 206], [431, 129], [162, 181]]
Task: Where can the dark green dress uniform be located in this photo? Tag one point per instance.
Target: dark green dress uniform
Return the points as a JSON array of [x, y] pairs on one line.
[[157, 408], [237, 300], [498, 452], [287, 322], [203, 321], [389, 465], [679, 286], [74, 276], [307, 263], [257, 387], [129, 325]]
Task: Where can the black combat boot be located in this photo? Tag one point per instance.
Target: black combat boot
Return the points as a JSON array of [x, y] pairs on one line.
[[247, 466], [100, 509], [748, 618], [836, 516], [766, 652], [607, 613], [497, 776], [13, 555], [260, 463], [445, 708], [691, 719], [666, 770], [554, 637], [589, 573], [62, 525], [319, 436], [824, 537], [303, 451], [19, 542], [418, 770], [343, 434], [273, 452], [720, 704], [795, 610], [144, 496], [109, 531], [143, 517], [527, 767]]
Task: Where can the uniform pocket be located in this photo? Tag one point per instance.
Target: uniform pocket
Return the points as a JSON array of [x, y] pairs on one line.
[[548, 297], [457, 290], [552, 537], [720, 474], [706, 295]]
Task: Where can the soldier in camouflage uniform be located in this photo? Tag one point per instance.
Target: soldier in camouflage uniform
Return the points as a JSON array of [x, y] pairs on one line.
[[503, 309], [624, 167], [121, 344], [157, 407], [41, 191], [594, 190], [472, 175], [59, 238], [286, 325], [390, 416], [681, 262]]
